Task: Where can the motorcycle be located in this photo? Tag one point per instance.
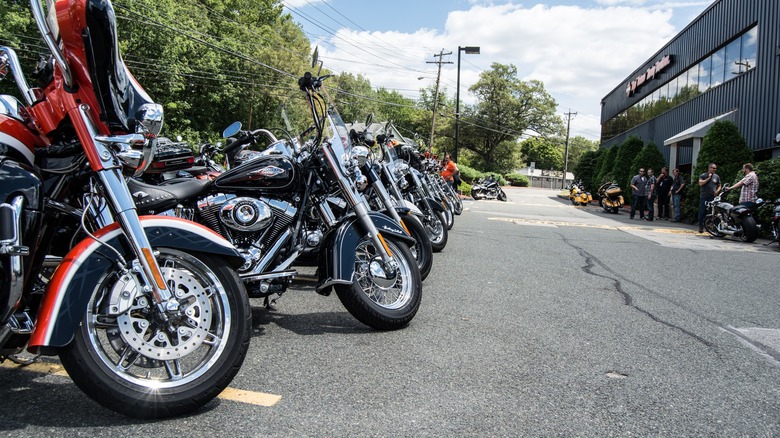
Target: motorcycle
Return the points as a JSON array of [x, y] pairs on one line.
[[488, 188], [578, 195], [298, 202], [610, 197], [380, 199], [775, 219], [146, 313], [725, 219]]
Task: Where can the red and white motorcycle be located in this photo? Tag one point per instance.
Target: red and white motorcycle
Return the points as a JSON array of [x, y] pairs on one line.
[[146, 313]]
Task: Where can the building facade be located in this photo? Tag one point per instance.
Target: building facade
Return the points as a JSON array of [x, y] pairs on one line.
[[723, 65]]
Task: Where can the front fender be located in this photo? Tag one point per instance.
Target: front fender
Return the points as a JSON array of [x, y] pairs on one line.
[[434, 204], [74, 280], [337, 253]]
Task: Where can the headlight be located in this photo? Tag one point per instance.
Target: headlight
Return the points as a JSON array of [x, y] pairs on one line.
[[360, 154]]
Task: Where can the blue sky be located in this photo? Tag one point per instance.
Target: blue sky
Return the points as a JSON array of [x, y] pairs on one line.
[[581, 50]]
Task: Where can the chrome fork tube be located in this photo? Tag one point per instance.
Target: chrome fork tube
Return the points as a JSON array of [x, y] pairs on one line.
[[356, 201], [122, 204]]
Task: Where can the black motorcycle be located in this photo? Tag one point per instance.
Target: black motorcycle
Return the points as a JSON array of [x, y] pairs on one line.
[[488, 188], [296, 201], [725, 219]]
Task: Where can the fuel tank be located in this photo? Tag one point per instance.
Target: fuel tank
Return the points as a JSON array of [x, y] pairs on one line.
[[268, 173], [16, 140]]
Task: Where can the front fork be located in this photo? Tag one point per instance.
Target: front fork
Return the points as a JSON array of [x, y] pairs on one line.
[[359, 206], [109, 172]]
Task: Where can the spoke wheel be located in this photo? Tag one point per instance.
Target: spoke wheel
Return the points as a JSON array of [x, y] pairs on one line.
[[148, 365]]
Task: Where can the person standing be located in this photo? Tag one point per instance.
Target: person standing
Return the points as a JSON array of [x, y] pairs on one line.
[[663, 187], [749, 184], [450, 171], [678, 191], [709, 182], [639, 193], [650, 195]]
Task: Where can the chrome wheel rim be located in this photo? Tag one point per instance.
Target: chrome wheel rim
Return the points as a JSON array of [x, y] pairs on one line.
[[387, 290]]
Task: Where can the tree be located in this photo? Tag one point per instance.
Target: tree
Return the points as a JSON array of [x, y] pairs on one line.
[[578, 146], [723, 145], [586, 168], [506, 108], [606, 163], [543, 152], [649, 158]]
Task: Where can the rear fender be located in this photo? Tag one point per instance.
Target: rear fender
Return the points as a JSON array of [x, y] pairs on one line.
[[337, 253], [73, 282]]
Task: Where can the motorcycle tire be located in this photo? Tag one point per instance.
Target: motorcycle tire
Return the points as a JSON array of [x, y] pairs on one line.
[[422, 251], [711, 225], [437, 231], [476, 194], [449, 218], [501, 195], [375, 300], [749, 230], [457, 205], [615, 210], [116, 359]]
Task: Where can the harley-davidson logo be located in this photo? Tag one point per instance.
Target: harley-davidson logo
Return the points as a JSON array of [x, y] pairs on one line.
[[267, 171]]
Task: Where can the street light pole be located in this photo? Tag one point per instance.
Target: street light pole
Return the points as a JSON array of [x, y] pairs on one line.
[[470, 50]]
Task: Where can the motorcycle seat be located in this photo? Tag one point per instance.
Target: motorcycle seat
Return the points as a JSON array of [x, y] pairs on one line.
[[150, 198]]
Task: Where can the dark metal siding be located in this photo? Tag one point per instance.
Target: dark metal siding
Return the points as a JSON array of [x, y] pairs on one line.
[[755, 94]]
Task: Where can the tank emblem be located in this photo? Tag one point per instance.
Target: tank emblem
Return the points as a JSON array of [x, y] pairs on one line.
[[267, 171]]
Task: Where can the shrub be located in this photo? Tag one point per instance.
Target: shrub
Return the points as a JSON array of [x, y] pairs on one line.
[[517, 180], [587, 167], [469, 174], [724, 146], [622, 170]]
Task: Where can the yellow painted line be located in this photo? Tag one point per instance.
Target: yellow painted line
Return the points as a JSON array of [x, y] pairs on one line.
[[250, 397], [232, 394], [602, 227]]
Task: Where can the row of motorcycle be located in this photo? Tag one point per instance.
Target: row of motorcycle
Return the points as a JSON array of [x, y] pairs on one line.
[[610, 195], [141, 284]]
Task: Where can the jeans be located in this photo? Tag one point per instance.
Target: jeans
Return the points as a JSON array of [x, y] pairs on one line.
[[663, 206], [650, 207], [639, 201], [703, 207], [676, 202]]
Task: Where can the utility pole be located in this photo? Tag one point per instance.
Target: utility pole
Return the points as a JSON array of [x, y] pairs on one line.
[[436, 94], [568, 115]]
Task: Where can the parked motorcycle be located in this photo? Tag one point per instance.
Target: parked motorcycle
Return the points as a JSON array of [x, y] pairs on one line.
[[610, 197], [296, 202], [775, 221], [488, 188], [145, 313], [725, 219], [380, 199], [578, 195]]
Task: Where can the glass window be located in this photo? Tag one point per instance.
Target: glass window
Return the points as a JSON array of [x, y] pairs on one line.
[[672, 89], [704, 74], [693, 79], [749, 42], [718, 67], [733, 59]]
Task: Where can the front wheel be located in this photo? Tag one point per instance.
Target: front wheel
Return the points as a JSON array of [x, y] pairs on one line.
[[380, 296], [421, 249], [437, 231], [711, 225], [144, 364], [501, 195], [749, 229]]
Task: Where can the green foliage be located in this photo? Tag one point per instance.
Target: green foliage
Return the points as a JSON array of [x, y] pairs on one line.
[[543, 152], [622, 171], [578, 147], [469, 174], [506, 107], [606, 163], [517, 180], [723, 145], [768, 188], [586, 168], [649, 158]]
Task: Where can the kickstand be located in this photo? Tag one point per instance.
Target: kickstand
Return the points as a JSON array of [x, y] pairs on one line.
[[269, 303], [15, 358]]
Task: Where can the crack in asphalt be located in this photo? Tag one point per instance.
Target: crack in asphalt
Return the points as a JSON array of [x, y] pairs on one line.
[[591, 262]]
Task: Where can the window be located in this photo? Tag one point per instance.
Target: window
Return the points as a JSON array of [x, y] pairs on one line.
[[733, 59], [718, 67], [704, 74], [748, 53]]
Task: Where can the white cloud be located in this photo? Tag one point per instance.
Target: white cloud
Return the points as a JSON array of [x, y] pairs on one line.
[[579, 53]]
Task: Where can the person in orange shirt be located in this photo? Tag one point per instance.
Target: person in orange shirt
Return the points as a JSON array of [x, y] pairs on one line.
[[450, 172]]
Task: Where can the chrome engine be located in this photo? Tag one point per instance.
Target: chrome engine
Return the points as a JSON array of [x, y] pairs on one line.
[[251, 224]]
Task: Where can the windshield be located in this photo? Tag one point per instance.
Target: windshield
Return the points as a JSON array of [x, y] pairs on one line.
[[339, 137]]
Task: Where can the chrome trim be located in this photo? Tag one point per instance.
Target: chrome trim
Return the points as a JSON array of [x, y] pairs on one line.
[[8, 58], [14, 249], [123, 205], [51, 42], [269, 276]]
